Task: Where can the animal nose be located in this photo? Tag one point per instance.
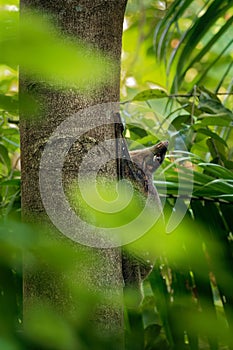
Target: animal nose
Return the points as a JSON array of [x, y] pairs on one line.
[[165, 143]]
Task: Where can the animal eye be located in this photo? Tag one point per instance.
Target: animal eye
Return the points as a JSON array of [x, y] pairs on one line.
[[158, 158]]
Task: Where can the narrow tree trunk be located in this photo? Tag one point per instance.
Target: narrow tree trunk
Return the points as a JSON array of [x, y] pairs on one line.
[[98, 22]]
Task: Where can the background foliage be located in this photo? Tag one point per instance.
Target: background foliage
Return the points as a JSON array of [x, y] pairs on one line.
[[176, 84]]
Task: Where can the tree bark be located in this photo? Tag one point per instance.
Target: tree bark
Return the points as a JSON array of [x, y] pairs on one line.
[[99, 23]]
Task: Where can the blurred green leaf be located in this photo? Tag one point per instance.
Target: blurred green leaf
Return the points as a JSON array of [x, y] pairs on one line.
[[46, 328], [211, 43], [11, 142], [13, 182], [9, 104], [7, 344], [4, 157], [38, 47]]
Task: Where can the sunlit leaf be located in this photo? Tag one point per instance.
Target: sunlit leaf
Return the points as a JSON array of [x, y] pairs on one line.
[[150, 94], [217, 119], [211, 42], [176, 9], [215, 10], [194, 41]]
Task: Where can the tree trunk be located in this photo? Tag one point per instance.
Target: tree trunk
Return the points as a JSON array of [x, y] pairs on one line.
[[98, 22]]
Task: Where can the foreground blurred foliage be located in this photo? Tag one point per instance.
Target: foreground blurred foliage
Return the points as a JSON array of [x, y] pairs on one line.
[[46, 326], [36, 45], [188, 301]]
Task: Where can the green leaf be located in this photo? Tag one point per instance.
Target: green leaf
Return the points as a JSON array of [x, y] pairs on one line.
[[226, 197], [211, 134], [217, 170], [9, 104], [175, 11], [211, 104], [45, 54], [11, 142], [217, 119], [191, 109], [228, 164], [10, 131], [138, 131], [12, 182], [217, 150], [150, 94], [179, 121], [211, 42], [194, 35], [8, 344], [4, 157], [216, 187], [207, 94], [212, 63]]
